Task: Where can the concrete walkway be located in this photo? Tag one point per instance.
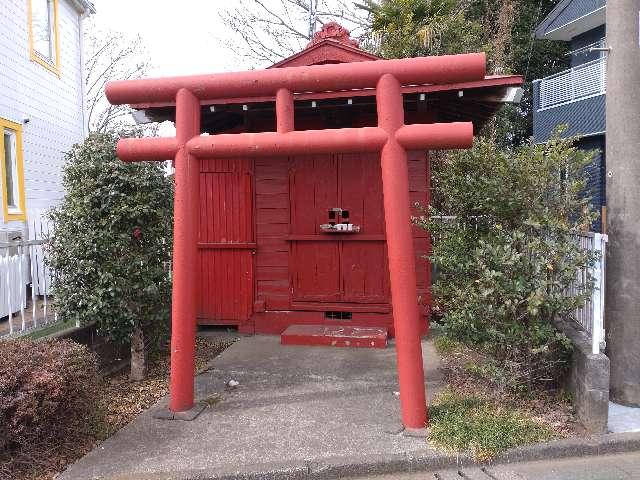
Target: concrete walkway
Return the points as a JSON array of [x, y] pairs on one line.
[[296, 409]]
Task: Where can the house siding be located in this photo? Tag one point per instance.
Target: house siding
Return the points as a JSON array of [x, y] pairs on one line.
[[583, 117], [581, 41], [53, 105], [596, 185]]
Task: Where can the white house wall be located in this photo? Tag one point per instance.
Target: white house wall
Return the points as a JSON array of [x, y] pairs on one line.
[[52, 104]]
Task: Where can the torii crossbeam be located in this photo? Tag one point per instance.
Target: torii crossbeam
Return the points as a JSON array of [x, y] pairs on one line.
[[391, 137]]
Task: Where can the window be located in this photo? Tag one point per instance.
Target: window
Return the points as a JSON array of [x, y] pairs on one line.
[[43, 33], [11, 168]]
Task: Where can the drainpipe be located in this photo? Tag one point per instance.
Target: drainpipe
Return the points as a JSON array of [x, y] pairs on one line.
[[83, 89]]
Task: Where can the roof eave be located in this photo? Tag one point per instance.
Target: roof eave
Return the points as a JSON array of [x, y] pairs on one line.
[[571, 29], [490, 81], [83, 6]]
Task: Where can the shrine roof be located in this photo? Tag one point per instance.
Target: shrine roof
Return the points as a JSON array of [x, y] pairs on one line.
[[475, 101]]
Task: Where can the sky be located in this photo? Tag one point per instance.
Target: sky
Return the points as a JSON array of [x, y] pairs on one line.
[[182, 37]]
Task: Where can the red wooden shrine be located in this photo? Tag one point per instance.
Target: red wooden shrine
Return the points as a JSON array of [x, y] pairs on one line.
[[265, 263], [293, 227]]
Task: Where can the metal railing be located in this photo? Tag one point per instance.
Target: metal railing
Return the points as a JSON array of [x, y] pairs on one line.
[[25, 282], [580, 82], [590, 317], [20, 268]]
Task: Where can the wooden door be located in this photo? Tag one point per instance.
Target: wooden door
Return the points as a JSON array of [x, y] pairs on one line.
[[329, 267], [314, 261], [363, 260], [226, 242]]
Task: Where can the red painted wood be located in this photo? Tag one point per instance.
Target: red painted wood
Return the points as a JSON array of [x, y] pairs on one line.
[[341, 307], [335, 336], [326, 52], [278, 246], [226, 242], [314, 78], [274, 179], [185, 256], [489, 84], [338, 268]]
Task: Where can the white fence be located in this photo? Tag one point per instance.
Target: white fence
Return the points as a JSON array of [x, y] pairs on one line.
[[583, 81], [590, 318], [25, 281]]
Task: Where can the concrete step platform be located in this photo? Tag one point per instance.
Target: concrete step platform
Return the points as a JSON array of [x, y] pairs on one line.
[[335, 336]]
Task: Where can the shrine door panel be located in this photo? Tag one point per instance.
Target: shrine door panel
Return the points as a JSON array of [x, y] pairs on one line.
[[350, 268], [226, 242], [314, 262], [363, 256]]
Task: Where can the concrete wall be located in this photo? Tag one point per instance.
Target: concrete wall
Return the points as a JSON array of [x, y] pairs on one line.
[[588, 381]]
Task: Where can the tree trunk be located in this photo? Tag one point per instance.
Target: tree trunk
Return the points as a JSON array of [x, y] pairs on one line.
[[138, 356]]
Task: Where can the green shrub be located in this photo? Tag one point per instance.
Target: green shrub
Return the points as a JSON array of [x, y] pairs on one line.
[[508, 255], [48, 391], [471, 424], [112, 244]]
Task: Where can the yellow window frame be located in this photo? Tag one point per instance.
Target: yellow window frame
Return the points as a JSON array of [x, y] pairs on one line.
[[21, 214], [53, 67]]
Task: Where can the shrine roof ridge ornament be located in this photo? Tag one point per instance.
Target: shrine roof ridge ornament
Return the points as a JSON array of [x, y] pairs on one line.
[[335, 32]]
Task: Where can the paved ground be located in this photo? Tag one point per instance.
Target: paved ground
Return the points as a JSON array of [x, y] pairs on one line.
[[606, 467], [623, 419], [296, 408]]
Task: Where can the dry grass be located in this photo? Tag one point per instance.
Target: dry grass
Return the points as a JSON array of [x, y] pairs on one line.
[[504, 419], [476, 425], [120, 401]]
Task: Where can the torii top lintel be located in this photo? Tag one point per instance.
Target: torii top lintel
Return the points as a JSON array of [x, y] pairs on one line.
[[314, 78]]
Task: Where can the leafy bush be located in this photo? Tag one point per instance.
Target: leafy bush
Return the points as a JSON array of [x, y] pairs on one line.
[[473, 424], [507, 254], [47, 393], [112, 244]]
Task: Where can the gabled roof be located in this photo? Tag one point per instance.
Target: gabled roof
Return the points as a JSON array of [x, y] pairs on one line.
[[332, 44], [326, 51], [570, 18]]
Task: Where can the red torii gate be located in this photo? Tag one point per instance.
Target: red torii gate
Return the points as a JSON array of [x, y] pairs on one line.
[[391, 137]]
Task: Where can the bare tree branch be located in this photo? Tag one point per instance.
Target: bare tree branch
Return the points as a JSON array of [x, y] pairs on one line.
[[110, 56], [268, 31]]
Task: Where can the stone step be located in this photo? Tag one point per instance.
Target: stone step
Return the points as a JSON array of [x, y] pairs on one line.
[[335, 336]]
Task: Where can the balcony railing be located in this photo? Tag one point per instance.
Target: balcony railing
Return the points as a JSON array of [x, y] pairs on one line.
[[583, 81]]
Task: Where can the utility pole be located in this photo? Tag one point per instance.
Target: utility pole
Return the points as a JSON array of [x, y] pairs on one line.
[[313, 17], [623, 200]]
